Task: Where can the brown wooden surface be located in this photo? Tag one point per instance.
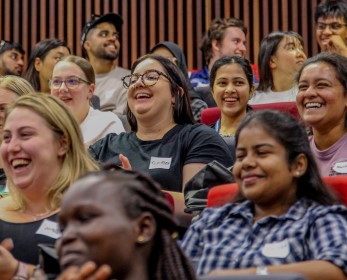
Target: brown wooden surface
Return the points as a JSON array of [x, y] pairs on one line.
[[147, 22]]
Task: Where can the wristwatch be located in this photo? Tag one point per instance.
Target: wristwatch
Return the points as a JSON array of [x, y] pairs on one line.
[[262, 270], [22, 272]]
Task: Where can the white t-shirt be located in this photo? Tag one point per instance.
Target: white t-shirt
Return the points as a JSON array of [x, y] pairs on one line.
[[269, 96], [98, 124]]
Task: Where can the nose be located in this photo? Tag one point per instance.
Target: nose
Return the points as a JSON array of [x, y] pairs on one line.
[[13, 145], [230, 88], [20, 62], [68, 235], [63, 87], [249, 162], [138, 83]]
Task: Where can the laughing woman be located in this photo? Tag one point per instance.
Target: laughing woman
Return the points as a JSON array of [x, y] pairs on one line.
[[322, 104], [164, 141]]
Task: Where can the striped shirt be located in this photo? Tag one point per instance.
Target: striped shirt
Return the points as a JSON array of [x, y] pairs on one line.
[[226, 237]]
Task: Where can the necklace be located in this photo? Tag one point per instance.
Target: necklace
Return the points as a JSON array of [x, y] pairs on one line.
[[38, 216]]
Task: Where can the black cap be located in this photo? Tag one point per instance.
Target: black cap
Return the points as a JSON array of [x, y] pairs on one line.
[[113, 18]]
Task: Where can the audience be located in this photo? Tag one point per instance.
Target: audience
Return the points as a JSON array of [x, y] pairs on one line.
[[73, 82], [121, 221], [43, 57], [232, 87], [42, 154], [331, 26], [224, 37], [164, 142], [284, 218], [11, 58], [280, 57], [322, 103], [100, 45], [11, 87], [173, 52]]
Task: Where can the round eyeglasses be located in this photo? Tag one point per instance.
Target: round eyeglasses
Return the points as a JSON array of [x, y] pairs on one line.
[[335, 26], [70, 83], [149, 78]]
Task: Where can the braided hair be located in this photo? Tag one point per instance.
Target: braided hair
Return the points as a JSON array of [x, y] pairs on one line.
[[141, 194]]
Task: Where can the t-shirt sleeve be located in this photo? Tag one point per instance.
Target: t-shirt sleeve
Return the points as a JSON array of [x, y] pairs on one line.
[[327, 240], [206, 145]]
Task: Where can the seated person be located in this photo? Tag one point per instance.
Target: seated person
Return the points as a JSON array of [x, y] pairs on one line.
[[164, 141], [280, 57], [284, 219], [121, 222], [173, 52], [73, 82], [322, 104], [232, 87], [42, 154]]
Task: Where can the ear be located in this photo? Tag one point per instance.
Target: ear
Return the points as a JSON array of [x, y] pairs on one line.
[[37, 64], [91, 91], [215, 46], [251, 92], [180, 92], [299, 167], [145, 228], [86, 44], [272, 62], [63, 145]]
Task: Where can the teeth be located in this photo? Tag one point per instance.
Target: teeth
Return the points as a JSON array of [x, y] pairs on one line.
[[230, 99], [142, 95], [313, 105], [20, 162]]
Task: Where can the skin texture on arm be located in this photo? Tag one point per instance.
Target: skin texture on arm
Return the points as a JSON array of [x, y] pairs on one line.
[[313, 270]]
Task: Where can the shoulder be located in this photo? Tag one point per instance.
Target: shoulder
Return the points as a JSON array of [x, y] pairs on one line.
[[7, 209], [121, 71]]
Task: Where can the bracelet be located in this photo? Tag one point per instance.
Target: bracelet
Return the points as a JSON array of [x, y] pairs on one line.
[[262, 270], [22, 272]]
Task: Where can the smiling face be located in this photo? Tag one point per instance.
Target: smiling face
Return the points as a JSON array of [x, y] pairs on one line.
[[77, 98], [95, 227], [288, 57], [31, 153], [234, 43], [102, 42], [231, 90], [337, 28], [261, 168], [321, 99], [151, 103]]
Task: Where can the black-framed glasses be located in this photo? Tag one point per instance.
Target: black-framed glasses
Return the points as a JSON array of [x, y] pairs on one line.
[[335, 26], [70, 83], [149, 78]]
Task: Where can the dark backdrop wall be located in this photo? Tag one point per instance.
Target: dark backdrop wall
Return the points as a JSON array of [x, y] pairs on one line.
[[147, 22]]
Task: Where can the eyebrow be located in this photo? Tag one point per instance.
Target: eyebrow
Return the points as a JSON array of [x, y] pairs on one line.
[[257, 146]]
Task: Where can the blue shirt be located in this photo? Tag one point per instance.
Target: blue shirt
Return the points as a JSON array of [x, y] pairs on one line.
[[226, 237]]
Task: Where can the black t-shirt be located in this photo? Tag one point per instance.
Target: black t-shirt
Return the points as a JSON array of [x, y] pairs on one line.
[[164, 159]]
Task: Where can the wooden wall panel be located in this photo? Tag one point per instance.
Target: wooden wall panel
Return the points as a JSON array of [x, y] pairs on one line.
[[147, 22]]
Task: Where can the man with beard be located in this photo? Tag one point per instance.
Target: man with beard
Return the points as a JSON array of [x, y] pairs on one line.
[[11, 58], [100, 45]]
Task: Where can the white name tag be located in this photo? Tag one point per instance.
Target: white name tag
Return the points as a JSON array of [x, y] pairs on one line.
[[340, 167], [276, 249], [160, 163], [49, 228]]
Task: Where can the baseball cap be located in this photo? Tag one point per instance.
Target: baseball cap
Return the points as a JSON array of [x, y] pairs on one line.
[[113, 18]]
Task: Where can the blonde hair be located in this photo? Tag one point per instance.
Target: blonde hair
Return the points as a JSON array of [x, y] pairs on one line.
[[16, 84], [60, 120]]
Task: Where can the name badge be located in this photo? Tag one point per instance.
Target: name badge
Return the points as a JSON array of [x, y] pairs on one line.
[[49, 228], [276, 249], [160, 163], [340, 167]]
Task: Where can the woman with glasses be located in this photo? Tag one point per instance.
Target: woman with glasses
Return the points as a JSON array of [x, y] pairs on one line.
[[331, 26], [73, 82], [164, 141]]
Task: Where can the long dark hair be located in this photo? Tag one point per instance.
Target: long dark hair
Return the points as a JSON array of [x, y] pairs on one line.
[[268, 48], [288, 131], [182, 112], [40, 51], [138, 193]]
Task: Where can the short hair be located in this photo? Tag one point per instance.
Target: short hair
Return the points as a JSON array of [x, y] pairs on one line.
[[138, 194], [83, 64], [182, 112], [62, 123], [8, 46], [291, 134], [40, 51], [16, 84], [217, 32], [338, 62], [331, 8], [268, 48]]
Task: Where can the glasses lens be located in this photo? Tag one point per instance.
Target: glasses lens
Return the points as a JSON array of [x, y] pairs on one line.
[[71, 83], [336, 26], [150, 78], [321, 26], [56, 83]]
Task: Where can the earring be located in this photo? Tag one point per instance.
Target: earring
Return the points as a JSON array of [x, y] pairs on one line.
[[141, 239], [298, 173]]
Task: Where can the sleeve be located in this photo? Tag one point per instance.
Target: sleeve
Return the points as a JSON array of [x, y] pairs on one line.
[[104, 149], [327, 240], [206, 145]]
